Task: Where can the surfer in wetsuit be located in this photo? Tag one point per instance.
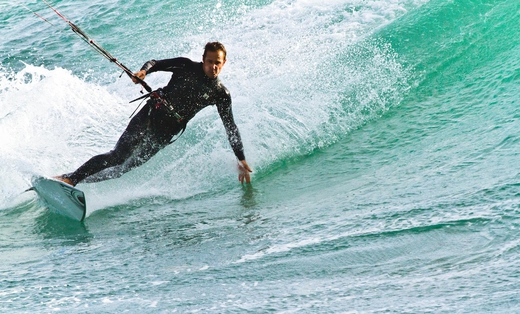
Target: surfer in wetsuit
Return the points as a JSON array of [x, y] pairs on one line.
[[192, 87]]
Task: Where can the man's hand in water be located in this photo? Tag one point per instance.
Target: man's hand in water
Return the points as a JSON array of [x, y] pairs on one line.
[[243, 172]]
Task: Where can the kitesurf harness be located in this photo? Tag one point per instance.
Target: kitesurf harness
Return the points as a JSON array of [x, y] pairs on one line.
[[159, 101]]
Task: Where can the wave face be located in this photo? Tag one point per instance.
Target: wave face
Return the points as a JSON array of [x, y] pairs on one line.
[[383, 137]]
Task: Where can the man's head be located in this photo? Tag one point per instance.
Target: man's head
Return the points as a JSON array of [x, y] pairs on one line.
[[213, 59]]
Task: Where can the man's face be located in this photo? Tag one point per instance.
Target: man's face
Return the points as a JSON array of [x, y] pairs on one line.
[[213, 63]]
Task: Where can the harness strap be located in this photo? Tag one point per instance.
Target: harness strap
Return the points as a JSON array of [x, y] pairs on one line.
[[158, 95], [161, 100], [142, 97]]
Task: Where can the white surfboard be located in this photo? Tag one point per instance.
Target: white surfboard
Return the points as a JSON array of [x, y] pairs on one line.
[[61, 197]]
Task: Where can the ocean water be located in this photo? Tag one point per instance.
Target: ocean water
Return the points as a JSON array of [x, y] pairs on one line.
[[383, 135]]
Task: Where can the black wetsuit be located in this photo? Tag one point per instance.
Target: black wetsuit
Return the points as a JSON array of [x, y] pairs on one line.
[[153, 127]]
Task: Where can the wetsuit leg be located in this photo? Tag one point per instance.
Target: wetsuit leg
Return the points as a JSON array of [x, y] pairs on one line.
[[132, 139], [146, 150]]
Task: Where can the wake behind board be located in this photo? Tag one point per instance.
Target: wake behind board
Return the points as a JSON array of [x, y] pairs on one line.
[[61, 197]]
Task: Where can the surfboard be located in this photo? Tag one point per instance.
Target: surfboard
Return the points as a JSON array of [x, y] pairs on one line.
[[61, 197]]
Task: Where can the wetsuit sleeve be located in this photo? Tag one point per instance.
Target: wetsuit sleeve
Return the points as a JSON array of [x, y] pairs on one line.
[[226, 114], [168, 65]]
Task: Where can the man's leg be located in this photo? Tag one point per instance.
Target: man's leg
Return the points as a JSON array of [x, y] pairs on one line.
[[150, 144], [131, 140], [146, 150]]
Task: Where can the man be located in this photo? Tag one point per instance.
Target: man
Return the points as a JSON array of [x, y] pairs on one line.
[[192, 87]]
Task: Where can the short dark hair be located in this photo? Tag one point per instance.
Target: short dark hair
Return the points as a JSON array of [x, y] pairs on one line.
[[214, 46]]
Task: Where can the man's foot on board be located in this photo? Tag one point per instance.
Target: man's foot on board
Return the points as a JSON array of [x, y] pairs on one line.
[[62, 179]]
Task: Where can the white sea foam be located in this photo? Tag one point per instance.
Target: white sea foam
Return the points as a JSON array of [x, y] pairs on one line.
[[49, 121]]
